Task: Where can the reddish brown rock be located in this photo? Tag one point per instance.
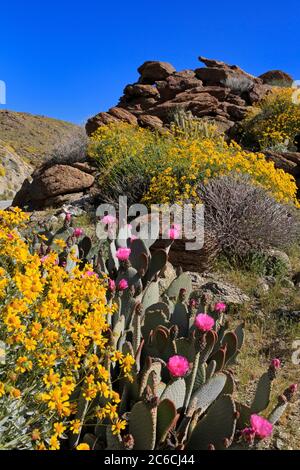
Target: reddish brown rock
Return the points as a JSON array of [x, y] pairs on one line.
[[175, 84], [151, 71], [141, 90], [150, 122], [51, 182], [100, 119], [123, 115], [276, 77]]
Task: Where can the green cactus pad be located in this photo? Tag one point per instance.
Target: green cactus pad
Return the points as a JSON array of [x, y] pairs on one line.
[[166, 415], [157, 263], [205, 395], [277, 412], [151, 295], [142, 425], [181, 282], [231, 342], [180, 317], [175, 391], [210, 370], [217, 426], [152, 320], [262, 394]]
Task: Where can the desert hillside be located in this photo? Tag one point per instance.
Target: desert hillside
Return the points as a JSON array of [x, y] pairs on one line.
[[27, 141]]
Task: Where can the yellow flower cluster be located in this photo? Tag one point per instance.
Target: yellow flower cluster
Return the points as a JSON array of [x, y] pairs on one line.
[[274, 120], [57, 347], [174, 163]]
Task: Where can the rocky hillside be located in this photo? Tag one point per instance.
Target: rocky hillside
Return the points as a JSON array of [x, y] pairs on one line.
[[32, 137], [27, 141]]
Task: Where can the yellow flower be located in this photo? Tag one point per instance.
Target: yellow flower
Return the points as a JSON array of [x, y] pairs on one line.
[[54, 443], [118, 426], [59, 429], [75, 426], [83, 446]]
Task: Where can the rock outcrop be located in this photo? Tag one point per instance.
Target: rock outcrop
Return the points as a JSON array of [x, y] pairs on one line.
[[54, 185], [217, 91]]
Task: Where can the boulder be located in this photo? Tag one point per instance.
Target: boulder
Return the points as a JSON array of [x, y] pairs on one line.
[[95, 122], [140, 90], [49, 183], [151, 71], [150, 122], [276, 77], [175, 84], [123, 115], [224, 292], [199, 104]]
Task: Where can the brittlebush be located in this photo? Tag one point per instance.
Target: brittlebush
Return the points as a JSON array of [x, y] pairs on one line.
[[174, 163], [54, 345], [274, 120]]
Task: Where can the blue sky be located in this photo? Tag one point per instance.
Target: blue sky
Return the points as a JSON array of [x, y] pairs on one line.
[[72, 59]]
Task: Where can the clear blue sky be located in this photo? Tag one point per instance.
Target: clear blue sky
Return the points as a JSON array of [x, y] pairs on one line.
[[72, 59]]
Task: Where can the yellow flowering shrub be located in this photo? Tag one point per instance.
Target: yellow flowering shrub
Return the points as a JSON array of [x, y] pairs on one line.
[[172, 164], [274, 120], [55, 346]]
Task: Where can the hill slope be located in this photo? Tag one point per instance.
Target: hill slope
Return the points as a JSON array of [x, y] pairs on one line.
[[32, 137]]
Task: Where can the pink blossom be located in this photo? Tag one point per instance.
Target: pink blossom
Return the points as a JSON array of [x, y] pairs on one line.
[[204, 322], [220, 307], [10, 236], [90, 273], [123, 284], [108, 219], [276, 363], [261, 426], [293, 388], [178, 366], [173, 233], [111, 284], [44, 258], [78, 232], [123, 254], [68, 216]]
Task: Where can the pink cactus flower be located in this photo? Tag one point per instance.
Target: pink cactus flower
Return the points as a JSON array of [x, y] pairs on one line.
[[78, 232], [90, 273], [111, 285], [220, 307], [108, 219], [123, 254], [204, 322], [261, 426], [276, 363], [293, 388], [174, 232], [178, 366], [68, 216], [123, 284]]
